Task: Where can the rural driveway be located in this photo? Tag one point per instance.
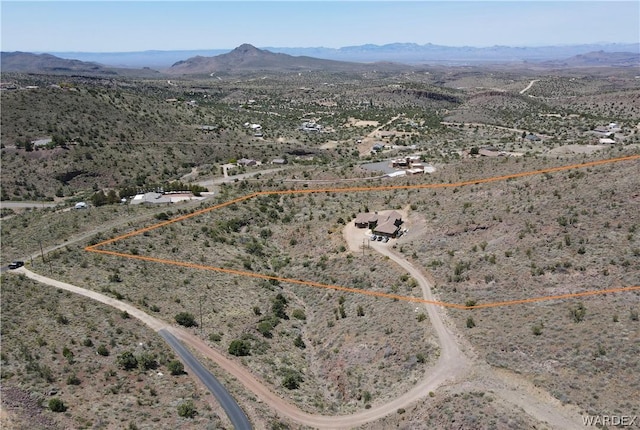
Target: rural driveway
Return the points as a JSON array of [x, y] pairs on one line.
[[453, 364]]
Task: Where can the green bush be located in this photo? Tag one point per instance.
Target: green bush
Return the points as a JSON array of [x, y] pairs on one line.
[[127, 361], [470, 323], [57, 405], [299, 343], [239, 348], [103, 351], [187, 409], [186, 319], [175, 367], [146, 361], [292, 380], [299, 314]]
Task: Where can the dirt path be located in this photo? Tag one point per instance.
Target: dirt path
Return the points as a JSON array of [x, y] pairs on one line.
[[529, 86], [369, 140], [453, 362]]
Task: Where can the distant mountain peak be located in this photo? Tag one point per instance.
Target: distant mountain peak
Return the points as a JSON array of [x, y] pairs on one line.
[[247, 49]]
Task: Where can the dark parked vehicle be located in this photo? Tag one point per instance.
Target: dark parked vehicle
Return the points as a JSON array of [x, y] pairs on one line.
[[16, 264]]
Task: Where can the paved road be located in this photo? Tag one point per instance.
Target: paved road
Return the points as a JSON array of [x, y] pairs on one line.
[[233, 410], [235, 414], [22, 205]]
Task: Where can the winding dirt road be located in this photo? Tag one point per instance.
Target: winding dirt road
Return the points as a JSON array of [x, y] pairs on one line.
[[454, 365]]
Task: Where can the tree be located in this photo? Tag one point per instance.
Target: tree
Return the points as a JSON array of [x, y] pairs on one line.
[[175, 367], [99, 199], [187, 409], [127, 360], [239, 348], [57, 405], [186, 319]]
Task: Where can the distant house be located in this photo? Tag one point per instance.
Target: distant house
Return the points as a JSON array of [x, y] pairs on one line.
[[150, 198], [489, 153], [160, 198], [606, 140], [246, 162], [396, 174], [377, 147], [278, 161], [532, 137], [207, 128], [80, 205]]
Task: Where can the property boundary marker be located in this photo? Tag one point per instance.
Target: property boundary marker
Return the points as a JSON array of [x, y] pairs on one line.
[[95, 248]]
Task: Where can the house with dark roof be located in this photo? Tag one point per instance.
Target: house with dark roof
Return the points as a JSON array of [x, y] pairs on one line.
[[366, 220], [388, 224]]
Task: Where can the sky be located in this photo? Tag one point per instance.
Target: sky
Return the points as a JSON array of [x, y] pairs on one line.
[[126, 26]]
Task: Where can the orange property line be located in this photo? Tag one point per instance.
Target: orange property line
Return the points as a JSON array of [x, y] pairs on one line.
[[94, 248]]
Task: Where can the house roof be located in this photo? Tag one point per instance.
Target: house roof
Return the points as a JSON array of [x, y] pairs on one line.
[[366, 217], [394, 216], [387, 227]]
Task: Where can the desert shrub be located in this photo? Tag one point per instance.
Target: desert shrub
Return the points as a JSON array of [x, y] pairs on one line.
[[239, 348], [87, 342], [299, 314], [57, 405], [292, 380], [102, 350], [537, 329], [175, 367], [187, 409], [186, 319], [279, 307], [578, 313], [299, 343], [146, 361], [470, 323], [470, 303], [265, 327], [127, 361], [73, 380], [215, 337]]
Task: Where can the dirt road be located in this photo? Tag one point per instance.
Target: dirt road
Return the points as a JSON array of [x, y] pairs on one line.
[[453, 364], [529, 86]]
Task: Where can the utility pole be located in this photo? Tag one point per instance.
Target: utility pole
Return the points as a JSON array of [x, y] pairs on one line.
[[201, 316], [42, 252]]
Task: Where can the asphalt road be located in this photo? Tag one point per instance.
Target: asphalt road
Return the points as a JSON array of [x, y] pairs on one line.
[[233, 410]]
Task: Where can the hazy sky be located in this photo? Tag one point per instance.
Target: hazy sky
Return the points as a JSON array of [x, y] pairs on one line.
[[117, 26]]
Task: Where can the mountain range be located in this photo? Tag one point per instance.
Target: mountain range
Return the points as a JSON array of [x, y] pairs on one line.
[[407, 53], [248, 58]]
